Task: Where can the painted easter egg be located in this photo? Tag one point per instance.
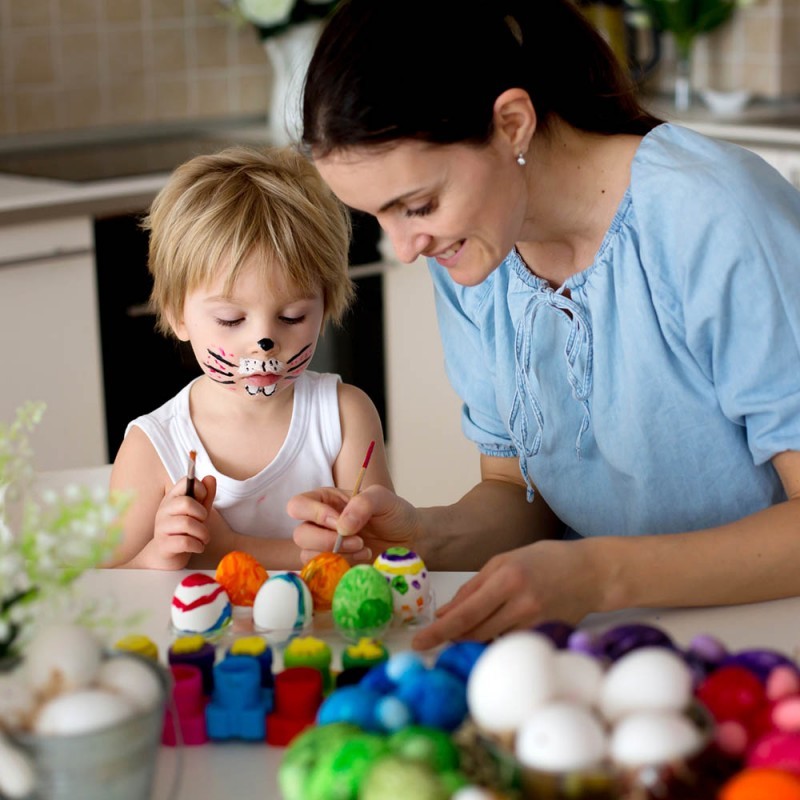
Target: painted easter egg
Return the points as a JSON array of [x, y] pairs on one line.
[[283, 603], [200, 605], [242, 576], [407, 576], [362, 603], [322, 575]]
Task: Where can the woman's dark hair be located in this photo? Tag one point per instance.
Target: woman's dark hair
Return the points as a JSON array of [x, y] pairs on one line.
[[432, 69]]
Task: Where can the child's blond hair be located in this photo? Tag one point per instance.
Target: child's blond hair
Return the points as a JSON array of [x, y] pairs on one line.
[[217, 210]]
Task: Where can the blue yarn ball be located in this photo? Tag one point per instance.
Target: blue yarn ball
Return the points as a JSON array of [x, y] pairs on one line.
[[436, 697], [353, 704], [376, 680], [459, 658], [401, 665]]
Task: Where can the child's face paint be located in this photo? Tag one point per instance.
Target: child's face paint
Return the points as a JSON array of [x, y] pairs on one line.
[[227, 333]]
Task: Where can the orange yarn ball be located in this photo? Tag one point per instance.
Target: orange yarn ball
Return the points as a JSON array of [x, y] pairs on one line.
[[241, 576], [321, 575], [759, 783]]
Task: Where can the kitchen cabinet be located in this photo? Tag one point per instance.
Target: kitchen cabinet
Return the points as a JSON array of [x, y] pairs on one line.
[[48, 314]]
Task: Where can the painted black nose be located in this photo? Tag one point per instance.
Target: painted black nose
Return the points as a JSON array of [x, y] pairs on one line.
[[266, 344]]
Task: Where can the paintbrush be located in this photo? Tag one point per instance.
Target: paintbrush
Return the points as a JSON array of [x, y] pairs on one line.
[[190, 473], [356, 489]]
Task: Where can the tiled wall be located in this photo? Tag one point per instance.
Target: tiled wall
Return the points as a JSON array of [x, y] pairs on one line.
[[68, 64], [759, 49]]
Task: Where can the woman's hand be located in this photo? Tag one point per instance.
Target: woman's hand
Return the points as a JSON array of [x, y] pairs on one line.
[[180, 528], [370, 522], [547, 580]]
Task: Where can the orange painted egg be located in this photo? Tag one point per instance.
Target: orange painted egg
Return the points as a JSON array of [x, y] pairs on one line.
[[322, 575], [760, 783], [242, 576]]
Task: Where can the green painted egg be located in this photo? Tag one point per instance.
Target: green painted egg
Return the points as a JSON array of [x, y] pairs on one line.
[[362, 603]]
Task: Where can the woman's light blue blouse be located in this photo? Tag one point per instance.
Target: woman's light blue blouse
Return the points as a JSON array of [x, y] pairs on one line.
[[651, 396]]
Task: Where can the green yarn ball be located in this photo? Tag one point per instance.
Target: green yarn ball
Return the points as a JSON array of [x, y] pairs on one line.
[[362, 602]]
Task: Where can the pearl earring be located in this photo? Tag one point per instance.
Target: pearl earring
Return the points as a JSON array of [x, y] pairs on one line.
[[521, 159]]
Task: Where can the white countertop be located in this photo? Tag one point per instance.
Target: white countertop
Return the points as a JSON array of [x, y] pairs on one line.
[[25, 198], [230, 769]]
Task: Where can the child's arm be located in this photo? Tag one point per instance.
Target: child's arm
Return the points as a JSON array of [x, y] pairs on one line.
[[360, 426], [162, 527]]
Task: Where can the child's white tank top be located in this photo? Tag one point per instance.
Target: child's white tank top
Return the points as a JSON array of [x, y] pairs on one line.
[[257, 506]]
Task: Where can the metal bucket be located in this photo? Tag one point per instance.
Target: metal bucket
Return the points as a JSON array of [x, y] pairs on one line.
[[113, 763]]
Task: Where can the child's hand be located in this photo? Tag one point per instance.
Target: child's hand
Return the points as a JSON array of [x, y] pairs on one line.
[[181, 527]]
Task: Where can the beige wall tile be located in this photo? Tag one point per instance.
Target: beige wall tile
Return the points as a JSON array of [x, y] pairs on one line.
[[124, 10], [211, 45], [169, 50], [211, 95], [80, 57], [78, 11], [84, 107], [32, 58], [172, 98], [206, 8], [253, 93], [762, 35], [27, 13], [129, 101], [169, 9], [35, 111], [249, 48], [125, 53]]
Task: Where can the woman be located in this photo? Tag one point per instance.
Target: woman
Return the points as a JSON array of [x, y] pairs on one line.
[[619, 302]]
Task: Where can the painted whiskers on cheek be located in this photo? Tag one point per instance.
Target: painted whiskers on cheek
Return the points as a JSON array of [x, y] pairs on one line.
[[218, 368], [304, 354]]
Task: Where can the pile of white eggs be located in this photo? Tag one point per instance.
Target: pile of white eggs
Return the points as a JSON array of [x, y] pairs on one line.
[[66, 685], [565, 711]]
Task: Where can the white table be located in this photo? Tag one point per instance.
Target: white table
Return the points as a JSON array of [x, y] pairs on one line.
[[223, 770]]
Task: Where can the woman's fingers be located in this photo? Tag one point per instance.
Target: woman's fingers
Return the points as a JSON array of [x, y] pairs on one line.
[[321, 507]]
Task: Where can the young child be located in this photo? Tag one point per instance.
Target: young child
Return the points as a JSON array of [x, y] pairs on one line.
[[248, 253]]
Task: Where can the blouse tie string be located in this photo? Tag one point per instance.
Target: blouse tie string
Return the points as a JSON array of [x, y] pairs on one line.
[[526, 400]]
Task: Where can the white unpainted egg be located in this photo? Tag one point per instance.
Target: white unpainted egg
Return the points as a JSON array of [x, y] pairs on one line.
[[17, 701], [561, 737], [650, 738], [579, 677], [81, 712], [283, 603], [646, 679], [62, 658], [514, 675], [133, 678], [17, 775]]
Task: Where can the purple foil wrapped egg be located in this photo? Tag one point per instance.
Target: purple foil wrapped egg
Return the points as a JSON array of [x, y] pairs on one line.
[[759, 661], [557, 631], [621, 639], [585, 642], [704, 654]]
